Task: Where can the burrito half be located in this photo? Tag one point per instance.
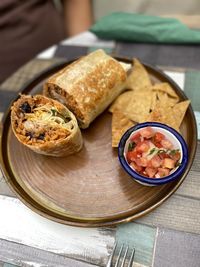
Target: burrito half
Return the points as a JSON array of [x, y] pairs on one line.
[[45, 126], [88, 86]]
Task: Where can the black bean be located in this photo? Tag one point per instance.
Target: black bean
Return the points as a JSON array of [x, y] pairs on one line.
[[30, 134], [25, 107], [41, 136]]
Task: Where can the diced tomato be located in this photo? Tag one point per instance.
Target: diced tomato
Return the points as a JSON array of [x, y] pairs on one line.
[[145, 157], [175, 156], [149, 164], [147, 132], [143, 146], [166, 144], [164, 155], [157, 144], [136, 138], [150, 171], [157, 175], [156, 161], [142, 162], [142, 172], [136, 167], [168, 163], [132, 155], [158, 137], [163, 172]]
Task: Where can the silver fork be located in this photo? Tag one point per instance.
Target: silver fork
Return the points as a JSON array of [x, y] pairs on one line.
[[117, 263]]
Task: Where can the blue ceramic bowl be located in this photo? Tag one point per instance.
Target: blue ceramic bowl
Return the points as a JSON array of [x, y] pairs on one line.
[[173, 136]]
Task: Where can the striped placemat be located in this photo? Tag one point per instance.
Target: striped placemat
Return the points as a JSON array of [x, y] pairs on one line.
[[169, 236]]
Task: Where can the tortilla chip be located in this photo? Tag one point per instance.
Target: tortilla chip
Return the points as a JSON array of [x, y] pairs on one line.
[[154, 100], [164, 114], [172, 101], [134, 104], [166, 88], [121, 101], [139, 105], [165, 99], [139, 77], [120, 124], [180, 110], [145, 102]]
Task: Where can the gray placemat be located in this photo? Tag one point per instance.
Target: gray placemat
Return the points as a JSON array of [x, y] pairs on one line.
[[166, 55]]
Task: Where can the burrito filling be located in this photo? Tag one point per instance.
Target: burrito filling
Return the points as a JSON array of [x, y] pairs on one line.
[[41, 122]]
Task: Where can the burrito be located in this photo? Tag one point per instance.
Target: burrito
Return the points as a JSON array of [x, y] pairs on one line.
[[88, 86], [45, 126]]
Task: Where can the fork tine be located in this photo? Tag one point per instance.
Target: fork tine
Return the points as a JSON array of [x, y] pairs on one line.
[[118, 258], [111, 256], [124, 258], [131, 258], [117, 263]]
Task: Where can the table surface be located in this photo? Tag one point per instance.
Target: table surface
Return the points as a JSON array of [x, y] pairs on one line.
[[168, 236]]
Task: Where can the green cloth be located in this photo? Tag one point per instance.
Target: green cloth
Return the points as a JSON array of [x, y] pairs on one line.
[[142, 28]]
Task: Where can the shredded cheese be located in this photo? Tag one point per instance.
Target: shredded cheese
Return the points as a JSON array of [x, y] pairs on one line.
[[47, 114]]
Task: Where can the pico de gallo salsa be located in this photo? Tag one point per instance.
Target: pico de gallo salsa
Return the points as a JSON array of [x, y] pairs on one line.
[[151, 154]]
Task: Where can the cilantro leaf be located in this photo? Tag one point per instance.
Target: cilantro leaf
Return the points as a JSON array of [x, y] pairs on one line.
[[152, 151], [178, 164], [174, 151], [131, 146]]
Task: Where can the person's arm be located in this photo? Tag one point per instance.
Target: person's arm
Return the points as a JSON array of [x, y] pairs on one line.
[[77, 16]]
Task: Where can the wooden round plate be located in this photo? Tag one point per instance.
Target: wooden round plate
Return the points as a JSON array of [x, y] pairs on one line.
[[89, 188]]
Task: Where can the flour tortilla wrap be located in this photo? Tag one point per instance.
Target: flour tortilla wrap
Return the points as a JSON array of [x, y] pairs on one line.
[[89, 85], [45, 126]]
